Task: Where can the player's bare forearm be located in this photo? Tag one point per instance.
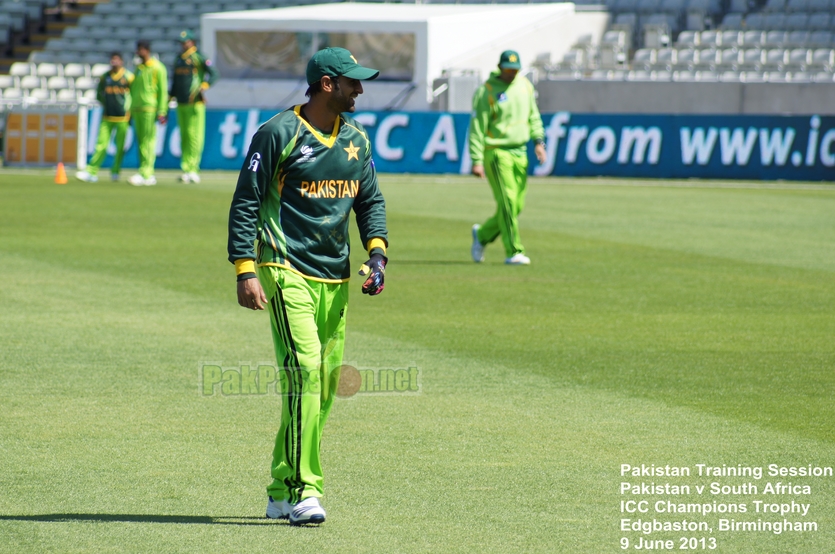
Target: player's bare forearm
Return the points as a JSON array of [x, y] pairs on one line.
[[251, 295], [539, 150]]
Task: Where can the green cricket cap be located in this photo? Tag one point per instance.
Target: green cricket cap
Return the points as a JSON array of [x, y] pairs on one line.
[[186, 35], [510, 60], [334, 62]]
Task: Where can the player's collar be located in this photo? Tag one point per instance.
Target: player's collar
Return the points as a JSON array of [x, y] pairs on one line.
[[326, 141], [188, 52], [118, 75]]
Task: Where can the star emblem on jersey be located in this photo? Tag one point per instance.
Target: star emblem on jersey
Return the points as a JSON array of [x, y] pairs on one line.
[[352, 151]]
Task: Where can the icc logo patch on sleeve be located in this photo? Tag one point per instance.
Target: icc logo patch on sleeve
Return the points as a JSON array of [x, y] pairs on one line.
[[502, 97]]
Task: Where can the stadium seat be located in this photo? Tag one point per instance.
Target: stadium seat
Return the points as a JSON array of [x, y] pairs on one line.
[[706, 58], [730, 38], [644, 58], [68, 57], [752, 38], [738, 6], [752, 77], [38, 94], [663, 75], [797, 5], [708, 38], [821, 58], [75, 32], [751, 58], [823, 77], [776, 77], [107, 8], [153, 34], [774, 21], [43, 56], [639, 75], [732, 21], [755, 21], [109, 45], [819, 39], [211, 8], [774, 59], [132, 9], [29, 82], [599, 75], [91, 21], [797, 21], [74, 70], [664, 58], [819, 21], [775, 6], [729, 76], [797, 38], [687, 39], [89, 95], [157, 9], [7, 81], [818, 5], [12, 94], [647, 6], [98, 70], [775, 38], [684, 76], [19, 69], [728, 58], [48, 70], [57, 83], [67, 95], [685, 58], [87, 83], [799, 58], [147, 21], [707, 76], [674, 7], [82, 45], [801, 77]]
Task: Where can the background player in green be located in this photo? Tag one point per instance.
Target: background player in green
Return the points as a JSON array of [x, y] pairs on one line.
[[306, 169], [505, 118], [114, 96], [149, 104], [193, 74]]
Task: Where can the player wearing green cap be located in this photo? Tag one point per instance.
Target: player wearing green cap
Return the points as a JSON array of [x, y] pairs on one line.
[[505, 118], [306, 169], [149, 98], [193, 74], [114, 96]]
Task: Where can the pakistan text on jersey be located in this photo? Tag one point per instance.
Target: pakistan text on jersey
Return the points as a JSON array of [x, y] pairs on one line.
[[330, 188], [116, 90]]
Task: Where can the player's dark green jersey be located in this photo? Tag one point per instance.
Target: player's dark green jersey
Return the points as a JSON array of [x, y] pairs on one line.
[[295, 193], [193, 73], [114, 94]]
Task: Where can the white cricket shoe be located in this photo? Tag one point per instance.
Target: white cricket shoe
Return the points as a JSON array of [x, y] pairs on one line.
[[86, 176], [518, 259], [185, 178], [114, 177], [477, 251], [136, 180], [307, 511], [278, 510], [194, 177], [150, 181]]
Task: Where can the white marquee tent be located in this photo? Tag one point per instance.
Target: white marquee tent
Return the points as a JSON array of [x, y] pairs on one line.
[[262, 54]]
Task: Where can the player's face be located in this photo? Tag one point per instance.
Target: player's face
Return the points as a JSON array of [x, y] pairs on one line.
[[186, 44], [342, 98], [115, 63], [507, 75]]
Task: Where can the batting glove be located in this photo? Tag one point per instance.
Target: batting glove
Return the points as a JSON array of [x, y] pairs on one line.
[[375, 268]]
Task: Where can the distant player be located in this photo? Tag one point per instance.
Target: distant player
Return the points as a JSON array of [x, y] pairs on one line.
[[505, 118], [193, 74], [306, 169], [114, 95], [149, 104]]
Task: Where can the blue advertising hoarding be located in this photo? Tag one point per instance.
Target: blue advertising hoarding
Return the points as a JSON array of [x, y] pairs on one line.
[[635, 145]]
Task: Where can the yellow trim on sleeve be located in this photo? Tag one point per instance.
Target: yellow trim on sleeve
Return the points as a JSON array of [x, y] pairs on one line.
[[204, 85], [376, 242], [244, 265]]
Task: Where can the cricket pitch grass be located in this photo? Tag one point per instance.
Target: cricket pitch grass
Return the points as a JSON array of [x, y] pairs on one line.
[[666, 323]]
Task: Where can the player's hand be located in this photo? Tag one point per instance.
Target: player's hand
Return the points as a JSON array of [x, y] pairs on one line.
[[539, 150], [163, 119], [375, 268], [251, 295], [478, 171]]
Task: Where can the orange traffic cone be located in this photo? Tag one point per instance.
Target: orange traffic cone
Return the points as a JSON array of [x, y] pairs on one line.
[[61, 175]]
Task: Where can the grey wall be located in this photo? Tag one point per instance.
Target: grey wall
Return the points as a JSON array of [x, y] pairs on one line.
[[686, 98]]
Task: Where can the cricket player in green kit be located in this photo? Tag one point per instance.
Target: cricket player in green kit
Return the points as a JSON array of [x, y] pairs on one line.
[[149, 97], [306, 169], [193, 74], [114, 96], [504, 119]]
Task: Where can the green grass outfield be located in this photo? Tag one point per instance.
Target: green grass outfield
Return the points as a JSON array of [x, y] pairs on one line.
[[675, 323]]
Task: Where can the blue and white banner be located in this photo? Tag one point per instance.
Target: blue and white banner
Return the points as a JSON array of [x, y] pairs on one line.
[[660, 146]]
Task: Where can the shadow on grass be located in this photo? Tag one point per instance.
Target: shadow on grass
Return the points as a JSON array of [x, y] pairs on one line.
[[431, 262], [145, 518]]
